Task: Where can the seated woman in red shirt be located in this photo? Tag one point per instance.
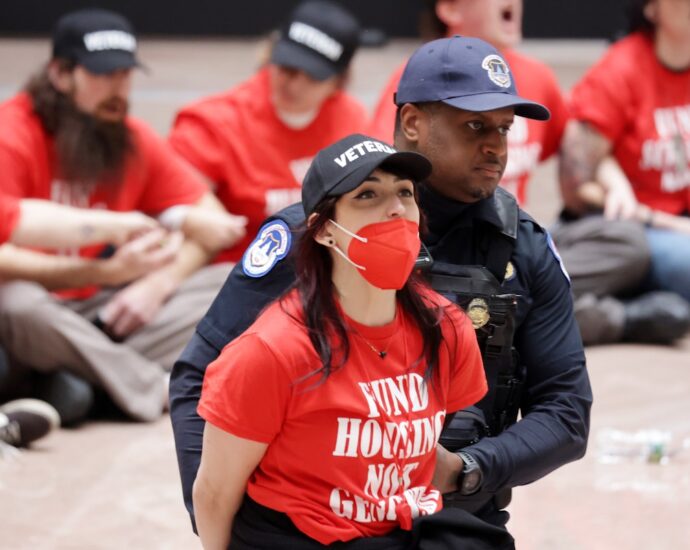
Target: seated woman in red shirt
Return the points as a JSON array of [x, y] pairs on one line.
[[327, 410], [254, 142], [628, 151]]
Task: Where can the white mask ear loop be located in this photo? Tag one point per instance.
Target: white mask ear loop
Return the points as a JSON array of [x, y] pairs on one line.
[[345, 256], [348, 232]]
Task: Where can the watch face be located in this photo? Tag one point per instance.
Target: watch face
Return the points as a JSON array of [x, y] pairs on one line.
[[470, 482], [471, 475]]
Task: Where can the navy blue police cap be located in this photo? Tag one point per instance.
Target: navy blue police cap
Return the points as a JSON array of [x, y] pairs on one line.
[[465, 73], [343, 166]]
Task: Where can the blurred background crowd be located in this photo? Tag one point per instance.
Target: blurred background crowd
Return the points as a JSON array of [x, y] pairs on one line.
[[119, 229]]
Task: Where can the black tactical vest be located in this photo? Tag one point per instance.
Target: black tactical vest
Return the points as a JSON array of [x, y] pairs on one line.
[[477, 289]]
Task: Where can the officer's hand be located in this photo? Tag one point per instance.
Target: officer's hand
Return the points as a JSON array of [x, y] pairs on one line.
[[214, 230], [141, 256], [448, 468]]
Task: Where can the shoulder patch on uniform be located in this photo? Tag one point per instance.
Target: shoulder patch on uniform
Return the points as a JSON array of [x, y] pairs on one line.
[[554, 251], [270, 246]]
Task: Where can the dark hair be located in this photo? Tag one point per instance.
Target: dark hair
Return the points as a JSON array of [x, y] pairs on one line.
[[426, 106], [430, 26], [48, 102], [325, 325], [637, 21]]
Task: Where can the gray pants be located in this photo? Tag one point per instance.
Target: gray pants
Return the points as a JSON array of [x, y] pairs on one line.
[[605, 260], [41, 332]]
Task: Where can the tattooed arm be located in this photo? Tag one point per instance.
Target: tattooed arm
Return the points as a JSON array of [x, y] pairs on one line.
[[590, 178]]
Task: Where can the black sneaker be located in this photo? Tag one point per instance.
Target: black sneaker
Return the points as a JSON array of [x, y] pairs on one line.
[[656, 318], [23, 421], [71, 396]]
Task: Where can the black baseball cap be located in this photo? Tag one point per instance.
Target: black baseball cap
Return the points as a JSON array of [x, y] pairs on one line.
[[102, 41], [465, 73], [341, 167], [319, 38]]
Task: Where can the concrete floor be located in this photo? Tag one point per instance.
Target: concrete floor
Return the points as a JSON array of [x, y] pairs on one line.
[[111, 485]]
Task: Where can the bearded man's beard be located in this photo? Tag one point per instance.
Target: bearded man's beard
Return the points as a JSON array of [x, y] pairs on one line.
[[89, 150]]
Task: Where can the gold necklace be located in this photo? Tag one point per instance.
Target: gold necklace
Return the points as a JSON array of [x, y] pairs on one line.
[[380, 352]]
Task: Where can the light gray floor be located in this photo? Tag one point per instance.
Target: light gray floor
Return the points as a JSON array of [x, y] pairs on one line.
[[112, 486]]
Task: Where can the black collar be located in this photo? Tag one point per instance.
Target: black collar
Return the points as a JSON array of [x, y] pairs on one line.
[[444, 214]]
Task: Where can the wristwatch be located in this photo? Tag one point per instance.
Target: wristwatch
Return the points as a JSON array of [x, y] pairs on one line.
[[470, 478]]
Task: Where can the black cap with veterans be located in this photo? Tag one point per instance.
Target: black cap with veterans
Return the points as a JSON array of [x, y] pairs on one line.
[[319, 38], [456, 102], [102, 41], [341, 167]]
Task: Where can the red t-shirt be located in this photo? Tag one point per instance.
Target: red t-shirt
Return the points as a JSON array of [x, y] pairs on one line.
[[336, 451], [256, 161], [529, 141], [9, 216], [644, 109], [154, 179]]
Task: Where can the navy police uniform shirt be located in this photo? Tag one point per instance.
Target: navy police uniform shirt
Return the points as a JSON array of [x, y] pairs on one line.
[[556, 399]]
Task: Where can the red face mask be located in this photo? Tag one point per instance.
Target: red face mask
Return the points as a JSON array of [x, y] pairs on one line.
[[384, 252]]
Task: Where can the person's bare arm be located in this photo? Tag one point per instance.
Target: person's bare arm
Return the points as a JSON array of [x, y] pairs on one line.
[[51, 271], [131, 261], [595, 195], [663, 220], [211, 226], [448, 468], [137, 304], [585, 158], [51, 225], [227, 462]]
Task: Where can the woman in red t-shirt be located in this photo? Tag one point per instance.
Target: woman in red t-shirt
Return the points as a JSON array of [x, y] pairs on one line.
[[327, 410], [627, 151]]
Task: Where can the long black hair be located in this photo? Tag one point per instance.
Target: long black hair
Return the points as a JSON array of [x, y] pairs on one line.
[[325, 325], [637, 20]]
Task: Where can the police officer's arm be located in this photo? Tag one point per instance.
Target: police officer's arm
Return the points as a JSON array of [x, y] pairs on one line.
[[234, 309], [557, 396]]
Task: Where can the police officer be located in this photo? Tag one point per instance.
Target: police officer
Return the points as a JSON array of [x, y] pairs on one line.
[[456, 103]]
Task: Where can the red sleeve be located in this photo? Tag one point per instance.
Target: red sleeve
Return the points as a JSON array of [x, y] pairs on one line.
[[246, 390], [15, 179], [604, 97], [467, 380], [382, 124], [193, 138], [15, 160], [171, 181], [9, 217]]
